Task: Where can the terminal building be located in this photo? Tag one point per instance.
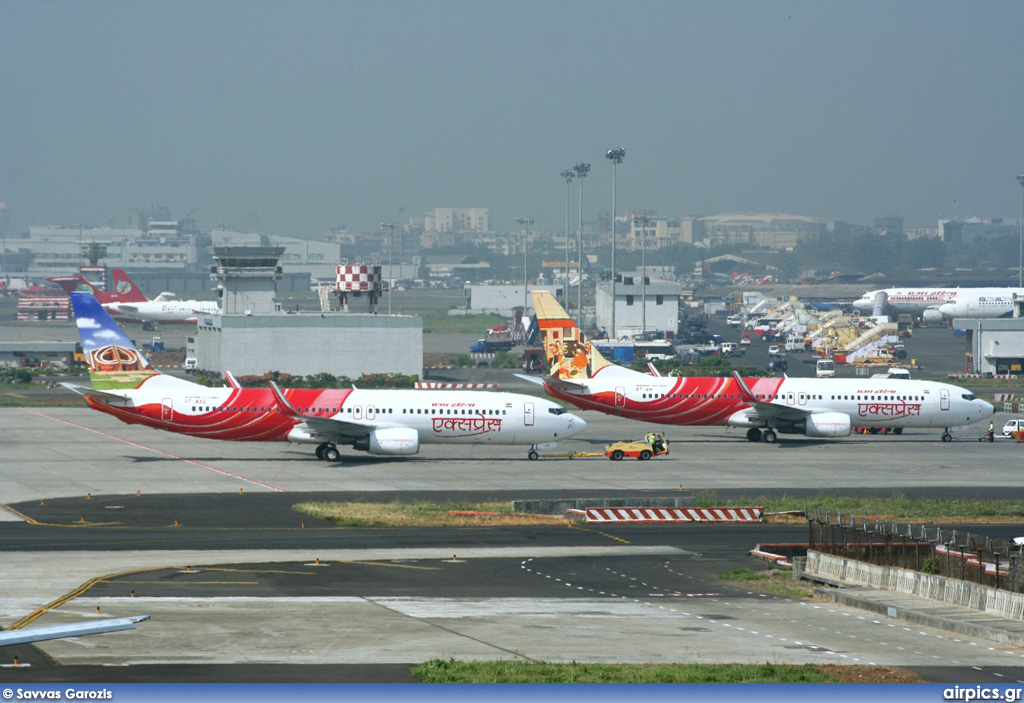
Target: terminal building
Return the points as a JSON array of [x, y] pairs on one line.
[[252, 336]]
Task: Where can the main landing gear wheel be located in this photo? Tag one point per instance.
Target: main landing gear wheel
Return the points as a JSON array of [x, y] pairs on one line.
[[645, 455], [617, 455], [754, 434], [320, 450], [331, 453], [533, 455], [769, 436]]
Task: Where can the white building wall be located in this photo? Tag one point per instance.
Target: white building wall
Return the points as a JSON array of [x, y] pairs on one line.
[[349, 345]]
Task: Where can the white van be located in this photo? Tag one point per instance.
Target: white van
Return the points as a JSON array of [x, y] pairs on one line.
[[191, 363], [1013, 426], [825, 368], [794, 344]]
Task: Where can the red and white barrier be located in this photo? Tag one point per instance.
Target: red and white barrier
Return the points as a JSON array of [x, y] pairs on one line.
[[673, 514]]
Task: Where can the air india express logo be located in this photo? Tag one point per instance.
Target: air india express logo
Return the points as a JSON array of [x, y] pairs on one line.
[[124, 287]]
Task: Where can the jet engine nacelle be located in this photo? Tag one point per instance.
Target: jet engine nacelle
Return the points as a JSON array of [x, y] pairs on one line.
[[391, 441], [932, 316], [826, 425]]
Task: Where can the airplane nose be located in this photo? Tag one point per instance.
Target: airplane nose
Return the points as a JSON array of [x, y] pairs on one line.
[[577, 424], [988, 410]]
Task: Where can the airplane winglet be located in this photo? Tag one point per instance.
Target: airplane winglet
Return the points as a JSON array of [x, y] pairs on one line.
[[654, 371], [746, 394], [283, 405], [531, 379], [231, 380]]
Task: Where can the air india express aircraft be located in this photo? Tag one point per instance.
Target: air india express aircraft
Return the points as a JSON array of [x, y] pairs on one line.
[[765, 406], [380, 422]]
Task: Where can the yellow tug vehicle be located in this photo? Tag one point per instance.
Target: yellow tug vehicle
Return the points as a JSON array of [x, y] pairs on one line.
[[654, 444]]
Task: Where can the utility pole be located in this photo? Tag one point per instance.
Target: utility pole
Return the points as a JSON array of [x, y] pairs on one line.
[[581, 170], [525, 222], [615, 156], [568, 174], [391, 240]]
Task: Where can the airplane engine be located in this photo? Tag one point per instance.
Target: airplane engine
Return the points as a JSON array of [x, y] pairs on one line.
[[391, 441], [826, 425], [932, 316]]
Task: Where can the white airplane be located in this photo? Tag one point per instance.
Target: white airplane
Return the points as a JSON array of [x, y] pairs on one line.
[[935, 305], [164, 308], [765, 406], [380, 422]]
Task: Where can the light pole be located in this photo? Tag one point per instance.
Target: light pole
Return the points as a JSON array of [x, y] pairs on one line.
[[644, 222], [581, 170], [525, 222], [1020, 222], [568, 174], [391, 240], [616, 156]]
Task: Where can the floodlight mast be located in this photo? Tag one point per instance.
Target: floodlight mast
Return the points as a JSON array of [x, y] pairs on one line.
[[616, 156]]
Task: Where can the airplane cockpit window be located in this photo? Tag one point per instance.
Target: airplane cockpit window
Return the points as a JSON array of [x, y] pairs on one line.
[[557, 411], [969, 396]]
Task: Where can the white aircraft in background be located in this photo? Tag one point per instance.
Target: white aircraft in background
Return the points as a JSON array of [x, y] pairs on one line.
[[380, 422], [809, 406], [935, 305], [164, 308]]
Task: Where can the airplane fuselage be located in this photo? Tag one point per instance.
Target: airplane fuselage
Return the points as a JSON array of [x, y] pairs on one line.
[[717, 401], [947, 302], [165, 310], [251, 414]]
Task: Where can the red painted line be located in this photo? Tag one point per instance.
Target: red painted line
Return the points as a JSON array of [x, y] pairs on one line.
[[158, 451]]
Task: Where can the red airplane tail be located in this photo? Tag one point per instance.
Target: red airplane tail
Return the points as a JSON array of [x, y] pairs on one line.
[[125, 289]]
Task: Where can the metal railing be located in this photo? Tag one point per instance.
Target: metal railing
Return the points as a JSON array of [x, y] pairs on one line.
[[950, 552]]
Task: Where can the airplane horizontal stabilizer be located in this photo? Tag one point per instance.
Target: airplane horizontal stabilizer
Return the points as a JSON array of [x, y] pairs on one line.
[[86, 392]]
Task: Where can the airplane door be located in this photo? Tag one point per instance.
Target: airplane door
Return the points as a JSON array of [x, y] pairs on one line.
[[620, 396], [167, 409], [944, 399], [528, 414], [357, 412]]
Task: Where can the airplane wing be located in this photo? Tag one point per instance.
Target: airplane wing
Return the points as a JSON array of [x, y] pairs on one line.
[[86, 392], [767, 410], [342, 429], [54, 632], [561, 384]]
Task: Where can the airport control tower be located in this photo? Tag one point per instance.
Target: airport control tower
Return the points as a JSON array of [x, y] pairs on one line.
[[247, 279]]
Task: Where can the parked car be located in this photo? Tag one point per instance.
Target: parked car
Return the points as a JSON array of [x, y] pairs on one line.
[[773, 350]]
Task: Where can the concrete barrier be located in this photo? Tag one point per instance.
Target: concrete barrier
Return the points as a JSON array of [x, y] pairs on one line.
[[935, 587]]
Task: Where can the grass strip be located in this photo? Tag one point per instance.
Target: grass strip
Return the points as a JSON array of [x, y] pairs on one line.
[[419, 514], [452, 671]]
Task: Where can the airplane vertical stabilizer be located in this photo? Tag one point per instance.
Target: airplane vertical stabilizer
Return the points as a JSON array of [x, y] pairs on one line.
[[114, 362], [570, 355]]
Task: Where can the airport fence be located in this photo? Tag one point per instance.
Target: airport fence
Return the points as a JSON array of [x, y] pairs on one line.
[[955, 553]]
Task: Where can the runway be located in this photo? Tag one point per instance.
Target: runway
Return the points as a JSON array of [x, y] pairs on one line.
[[203, 534]]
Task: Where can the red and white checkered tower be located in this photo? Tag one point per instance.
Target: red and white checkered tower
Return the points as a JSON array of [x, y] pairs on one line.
[[357, 279]]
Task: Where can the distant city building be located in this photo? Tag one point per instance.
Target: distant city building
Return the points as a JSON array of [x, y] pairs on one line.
[[968, 229], [769, 230], [450, 219]]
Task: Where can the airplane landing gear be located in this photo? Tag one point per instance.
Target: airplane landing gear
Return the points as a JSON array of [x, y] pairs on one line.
[[946, 436], [327, 452], [754, 434], [769, 436], [532, 455]]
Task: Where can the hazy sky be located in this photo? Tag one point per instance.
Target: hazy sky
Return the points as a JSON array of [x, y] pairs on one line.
[[310, 115]]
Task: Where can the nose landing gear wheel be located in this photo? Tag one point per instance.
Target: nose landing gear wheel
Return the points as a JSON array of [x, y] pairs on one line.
[[533, 455], [947, 437]]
